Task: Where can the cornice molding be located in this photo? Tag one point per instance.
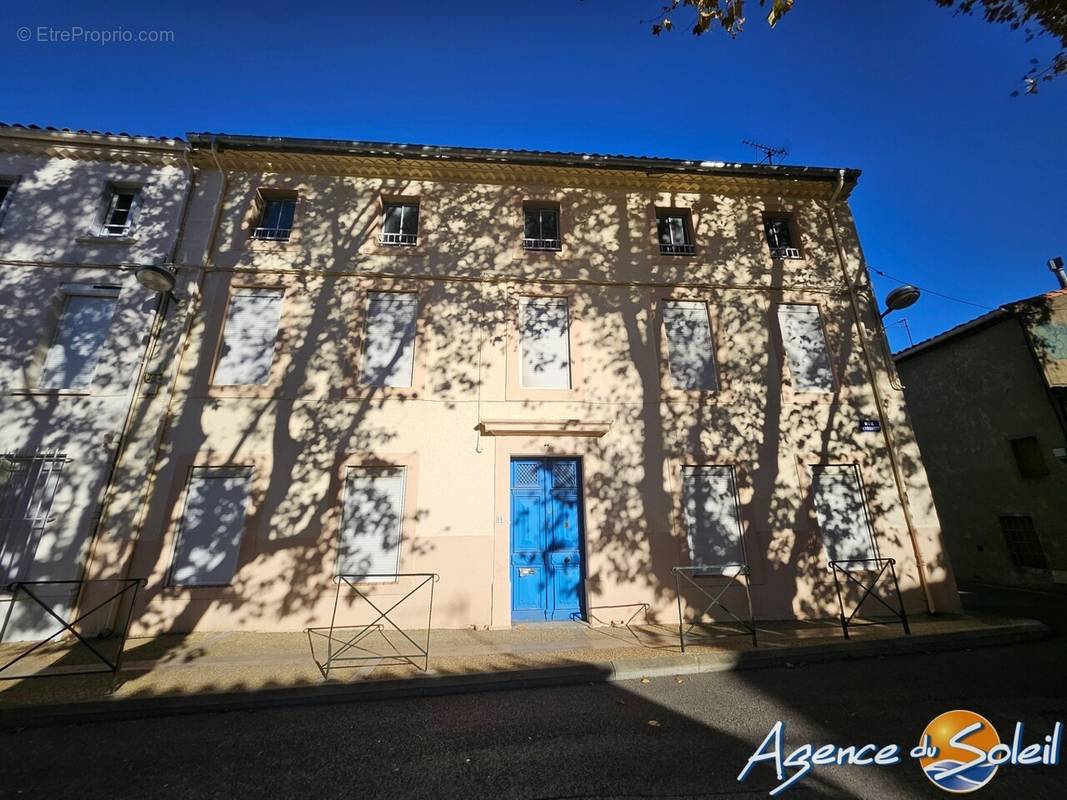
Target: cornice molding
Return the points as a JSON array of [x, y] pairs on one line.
[[507, 174], [110, 151], [561, 427]]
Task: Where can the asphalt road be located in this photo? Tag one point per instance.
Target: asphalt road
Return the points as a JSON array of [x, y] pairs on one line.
[[666, 738]]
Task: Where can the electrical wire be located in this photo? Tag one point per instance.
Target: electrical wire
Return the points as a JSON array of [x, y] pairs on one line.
[[931, 291]]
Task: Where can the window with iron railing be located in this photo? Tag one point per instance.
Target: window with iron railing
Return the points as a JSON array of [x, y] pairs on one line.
[[675, 235], [780, 238], [118, 217], [400, 224], [276, 221], [1024, 545], [540, 228]]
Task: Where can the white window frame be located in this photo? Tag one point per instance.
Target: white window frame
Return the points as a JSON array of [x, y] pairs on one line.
[[249, 291], [342, 544], [725, 568], [367, 338], [794, 375], [66, 292], [686, 247], [524, 301], [234, 470], [401, 238], [114, 191], [263, 234]]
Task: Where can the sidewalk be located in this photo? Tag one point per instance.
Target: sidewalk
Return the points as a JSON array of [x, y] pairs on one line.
[[208, 671]]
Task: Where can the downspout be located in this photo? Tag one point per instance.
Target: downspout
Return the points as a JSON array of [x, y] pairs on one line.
[[883, 418], [136, 392]]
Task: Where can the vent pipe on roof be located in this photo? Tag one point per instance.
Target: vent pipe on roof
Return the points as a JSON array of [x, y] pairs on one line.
[[1056, 265]]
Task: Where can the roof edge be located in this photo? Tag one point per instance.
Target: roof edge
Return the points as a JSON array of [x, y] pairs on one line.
[[222, 141]]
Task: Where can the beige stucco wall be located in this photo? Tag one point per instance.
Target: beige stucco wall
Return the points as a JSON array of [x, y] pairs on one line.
[[314, 417]]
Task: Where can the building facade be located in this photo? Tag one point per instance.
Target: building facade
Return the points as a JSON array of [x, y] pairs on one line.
[[79, 212], [549, 379], [999, 471]]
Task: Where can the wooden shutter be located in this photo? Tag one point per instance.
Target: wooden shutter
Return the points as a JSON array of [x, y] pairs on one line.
[[80, 336], [249, 337], [805, 348], [544, 332], [690, 347], [712, 517], [371, 523], [841, 512], [212, 524], [389, 343]]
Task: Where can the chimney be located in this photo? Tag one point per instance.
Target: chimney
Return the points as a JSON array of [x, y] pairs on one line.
[[1056, 265]]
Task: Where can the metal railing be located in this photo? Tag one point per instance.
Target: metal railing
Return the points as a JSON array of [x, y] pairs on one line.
[[882, 565], [692, 574], [272, 234], [115, 230], [785, 252], [398, 238], [354, 637], [540, 244], [677, 249], [109, 665]]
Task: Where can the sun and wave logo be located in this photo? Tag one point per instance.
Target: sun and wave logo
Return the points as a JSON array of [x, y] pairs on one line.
[[959, 744]]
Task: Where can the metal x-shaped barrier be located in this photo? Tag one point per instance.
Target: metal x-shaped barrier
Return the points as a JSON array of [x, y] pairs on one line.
[[691, 574], [882, 565], [335, 656], [109, 665]]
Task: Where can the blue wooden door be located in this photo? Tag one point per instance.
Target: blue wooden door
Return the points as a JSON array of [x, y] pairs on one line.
[[546, 539]]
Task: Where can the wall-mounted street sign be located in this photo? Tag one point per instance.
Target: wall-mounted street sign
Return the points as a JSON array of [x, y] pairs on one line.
[[870, 426]]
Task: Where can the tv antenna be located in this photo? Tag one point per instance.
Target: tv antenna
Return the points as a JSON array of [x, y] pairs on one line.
[[768, 153]]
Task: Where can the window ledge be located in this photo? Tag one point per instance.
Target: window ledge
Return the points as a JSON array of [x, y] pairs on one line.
[[562, 427], [50, 392], [95, 238]]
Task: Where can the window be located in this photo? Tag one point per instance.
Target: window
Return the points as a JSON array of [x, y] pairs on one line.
[[540, 228], [675, 236], [249, 337], [83, 328], [6, 186], [371, 523], [690, 347], [712, 517], [389, 341], [544, 342], [400, 224], [212, 523], [1029, 458], [28, 487], [1024, 546], [841, 513], [118, 218], [276, 221], [805, 348], [780, 237]]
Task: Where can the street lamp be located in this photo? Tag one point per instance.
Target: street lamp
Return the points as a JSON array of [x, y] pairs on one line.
[[158, 279], [900, 298]]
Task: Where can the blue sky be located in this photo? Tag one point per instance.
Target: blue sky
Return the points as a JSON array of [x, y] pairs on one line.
[[963, 190]]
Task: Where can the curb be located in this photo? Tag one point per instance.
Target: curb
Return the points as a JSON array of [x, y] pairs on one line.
[[433, 685]]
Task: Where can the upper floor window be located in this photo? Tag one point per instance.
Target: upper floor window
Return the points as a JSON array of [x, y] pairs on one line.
[[1029, 457], [780, 237], [675, 232], [400, 224], [544, 343], [249, 337], [1024, 545], [805, 348], [690, 346], [540, 227], [276, 220], [118, 217], [389, 340], [5, 190], [79, 338]]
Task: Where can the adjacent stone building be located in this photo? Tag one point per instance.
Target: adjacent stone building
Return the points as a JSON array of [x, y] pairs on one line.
[[547, 378], [988, 399]]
